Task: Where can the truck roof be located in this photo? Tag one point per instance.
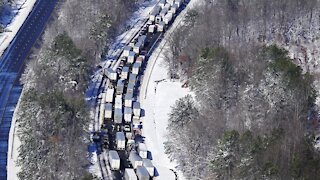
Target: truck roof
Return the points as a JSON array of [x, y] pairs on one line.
[[108, 106], [114, 154], [125, 69], [130, 173], [136, 105], [134, 156], [127, 110], [142, 172], [147, 163], [142, 147], [120, 136]]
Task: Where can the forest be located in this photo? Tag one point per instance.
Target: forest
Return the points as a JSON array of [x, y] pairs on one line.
[[53, 116], [254, 91]]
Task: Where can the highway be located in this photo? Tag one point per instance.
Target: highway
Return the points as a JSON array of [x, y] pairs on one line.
[[11, 66], [107, 142]]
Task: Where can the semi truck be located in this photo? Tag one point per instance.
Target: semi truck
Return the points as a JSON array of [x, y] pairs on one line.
[[142, 150], [120, 141], [142, 173], [110, 95], [136, 109], [135, 159], [149, 166], [108, 111], [129, 174], [114, 160], [118, 116]]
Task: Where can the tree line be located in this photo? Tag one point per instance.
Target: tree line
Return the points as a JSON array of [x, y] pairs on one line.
[[251, 115], [53, 116]]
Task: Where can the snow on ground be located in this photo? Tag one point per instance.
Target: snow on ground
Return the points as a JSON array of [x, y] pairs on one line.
[[13, 144], [158, 94], [16, 23], [157, 105], [135, 22]]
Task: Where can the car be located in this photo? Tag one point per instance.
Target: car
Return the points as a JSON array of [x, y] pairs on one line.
[[127, 127]]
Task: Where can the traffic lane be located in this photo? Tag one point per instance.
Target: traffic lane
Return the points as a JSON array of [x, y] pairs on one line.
[[25, 43]]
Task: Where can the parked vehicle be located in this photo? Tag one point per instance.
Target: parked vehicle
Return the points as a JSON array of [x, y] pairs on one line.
[[142, 173], [125, 72], [110, 95], [111, 74], [167, 18], [120, 86], [132, 78], [128, 100], [130, 88], [126, 51], [142, 150], [160, 26], [127, 114], [120, 141], [135, 159], [114, 160], [118, 116], [136, 47], [149, 166], [136, 120], [118, 102], [136, 109], [136, 68], [131, 57], [101, 116], [108, 111], [151, 28], [129, 174], [128, 131]]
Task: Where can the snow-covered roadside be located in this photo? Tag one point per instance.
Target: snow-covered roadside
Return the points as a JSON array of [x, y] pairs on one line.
[[13, 28], [157, 105], [158, 94], [13, 145]]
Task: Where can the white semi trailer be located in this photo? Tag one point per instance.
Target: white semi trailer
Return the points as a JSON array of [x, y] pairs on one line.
[[142, 150], [114, 160], [135, 159], [129, 174], [142, 173], [149, 166], [108, 111], [120, 141]]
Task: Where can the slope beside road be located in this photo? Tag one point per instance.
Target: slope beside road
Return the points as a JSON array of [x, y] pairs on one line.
[[11, 66]]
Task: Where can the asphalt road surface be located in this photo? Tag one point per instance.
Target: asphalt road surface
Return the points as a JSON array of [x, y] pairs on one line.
[[11, 65]]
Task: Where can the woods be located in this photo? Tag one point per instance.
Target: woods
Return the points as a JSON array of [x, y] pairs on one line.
[[253, 95], [53, 116]]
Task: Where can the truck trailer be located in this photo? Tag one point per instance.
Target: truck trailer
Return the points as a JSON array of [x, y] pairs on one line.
[[129, 174], [142, 150], [142, 173], [110, 95], [108, 111], [135, 159], [118, 116], [149, 166], [114, 160], [136, 109], [127, 114], [120, 141]]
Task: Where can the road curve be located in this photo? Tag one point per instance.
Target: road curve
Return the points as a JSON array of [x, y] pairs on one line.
[[11, 66]]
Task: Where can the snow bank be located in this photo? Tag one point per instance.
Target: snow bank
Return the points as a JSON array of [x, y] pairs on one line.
[[15, 25], [13, 145], [157, 105]]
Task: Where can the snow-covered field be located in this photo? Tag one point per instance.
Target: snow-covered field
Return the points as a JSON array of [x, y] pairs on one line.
[[13, 28], [157, 105]]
